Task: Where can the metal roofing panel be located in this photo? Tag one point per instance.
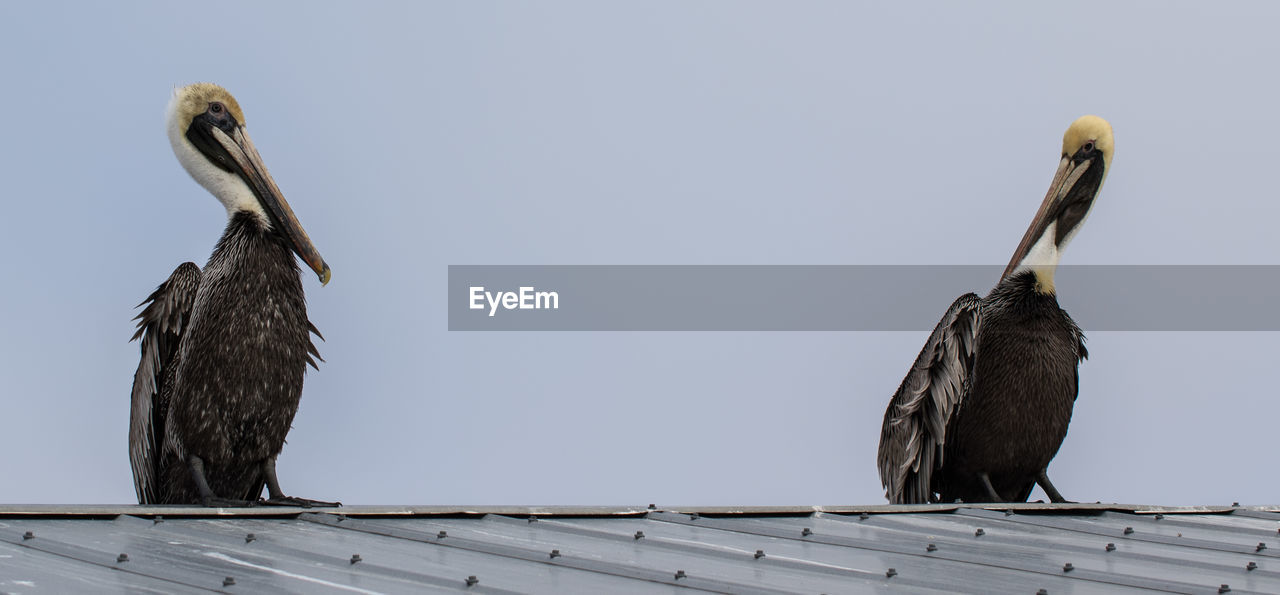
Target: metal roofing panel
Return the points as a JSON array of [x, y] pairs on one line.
[[111, 510], [936, 548], [26, 569], [713, 562], [1022, 543], [968, 564]]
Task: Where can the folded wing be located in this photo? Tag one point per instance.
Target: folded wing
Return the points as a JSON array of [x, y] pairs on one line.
[[915, 424], [160, 326]]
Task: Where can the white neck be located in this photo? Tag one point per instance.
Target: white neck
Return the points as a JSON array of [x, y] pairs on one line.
[[228, 188], [1043, 257]]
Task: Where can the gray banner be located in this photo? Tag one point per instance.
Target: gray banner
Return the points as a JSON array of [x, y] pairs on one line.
[[844, 297]]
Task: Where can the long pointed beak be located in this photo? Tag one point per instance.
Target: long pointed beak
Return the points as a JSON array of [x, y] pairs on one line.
[[254, 172], [1068, 174]]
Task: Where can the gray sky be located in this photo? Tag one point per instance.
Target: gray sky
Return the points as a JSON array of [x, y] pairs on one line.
[[412, 136]]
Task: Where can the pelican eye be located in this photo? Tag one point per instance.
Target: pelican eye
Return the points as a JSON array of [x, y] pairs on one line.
[[1088, 147], [215, 108]]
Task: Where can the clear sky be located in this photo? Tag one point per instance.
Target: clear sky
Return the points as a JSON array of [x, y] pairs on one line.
[[411, 136]]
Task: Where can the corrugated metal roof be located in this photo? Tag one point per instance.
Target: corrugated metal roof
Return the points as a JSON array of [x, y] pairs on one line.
[[511, 549]]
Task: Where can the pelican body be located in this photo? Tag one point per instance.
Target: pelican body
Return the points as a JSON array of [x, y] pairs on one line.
[[224, 350], [986, 405]]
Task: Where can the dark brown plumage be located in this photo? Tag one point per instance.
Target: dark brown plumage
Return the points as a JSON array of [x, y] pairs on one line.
[[160, 326], [1022, 390], [986, 405], [238, 365], [224, 350]]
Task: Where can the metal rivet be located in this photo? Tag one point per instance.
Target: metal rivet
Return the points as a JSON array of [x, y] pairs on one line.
[[250, 537], [805, 532], [28, 535], [122, 558], [759, 554], [695, 516], [864, 516], [931, 548], [680, 574], [356, 558], [1225, 588], [157, 520], [639, 535], [227, 582], [1111, 547], [1008, 512], [1159, 517], [555, 553], [1128, 530], [979, 532], [442, 535], [1261, 546], [1068, 567], [1251, 566], [533, 519], [471, 580], [892, 572]]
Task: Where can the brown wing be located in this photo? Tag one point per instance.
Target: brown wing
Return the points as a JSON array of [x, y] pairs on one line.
[[160, 326], [915, 424]]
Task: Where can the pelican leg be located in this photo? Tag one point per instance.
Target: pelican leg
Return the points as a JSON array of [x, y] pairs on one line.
[[991, 490], [276, 495], [207, 497], [1042, 478]]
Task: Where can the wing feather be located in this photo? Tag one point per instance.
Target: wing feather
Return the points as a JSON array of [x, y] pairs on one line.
[[160, 326], [915, 424], [313, 354]]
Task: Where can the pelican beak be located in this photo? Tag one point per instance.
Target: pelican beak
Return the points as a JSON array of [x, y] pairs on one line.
[[249, 166], [1064, 181]]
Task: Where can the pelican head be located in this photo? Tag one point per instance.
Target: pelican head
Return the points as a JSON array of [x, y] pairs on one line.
[[1087, 147], [206, 129]]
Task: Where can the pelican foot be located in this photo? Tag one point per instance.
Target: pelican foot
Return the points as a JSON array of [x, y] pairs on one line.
[[302, 502], [277, 497]]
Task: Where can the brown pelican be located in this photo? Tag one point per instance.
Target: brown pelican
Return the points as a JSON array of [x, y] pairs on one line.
[[987, 403], [223, 350]]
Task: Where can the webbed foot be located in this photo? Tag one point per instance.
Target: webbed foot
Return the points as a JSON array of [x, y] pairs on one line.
[[302, 502], [277, 497]]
